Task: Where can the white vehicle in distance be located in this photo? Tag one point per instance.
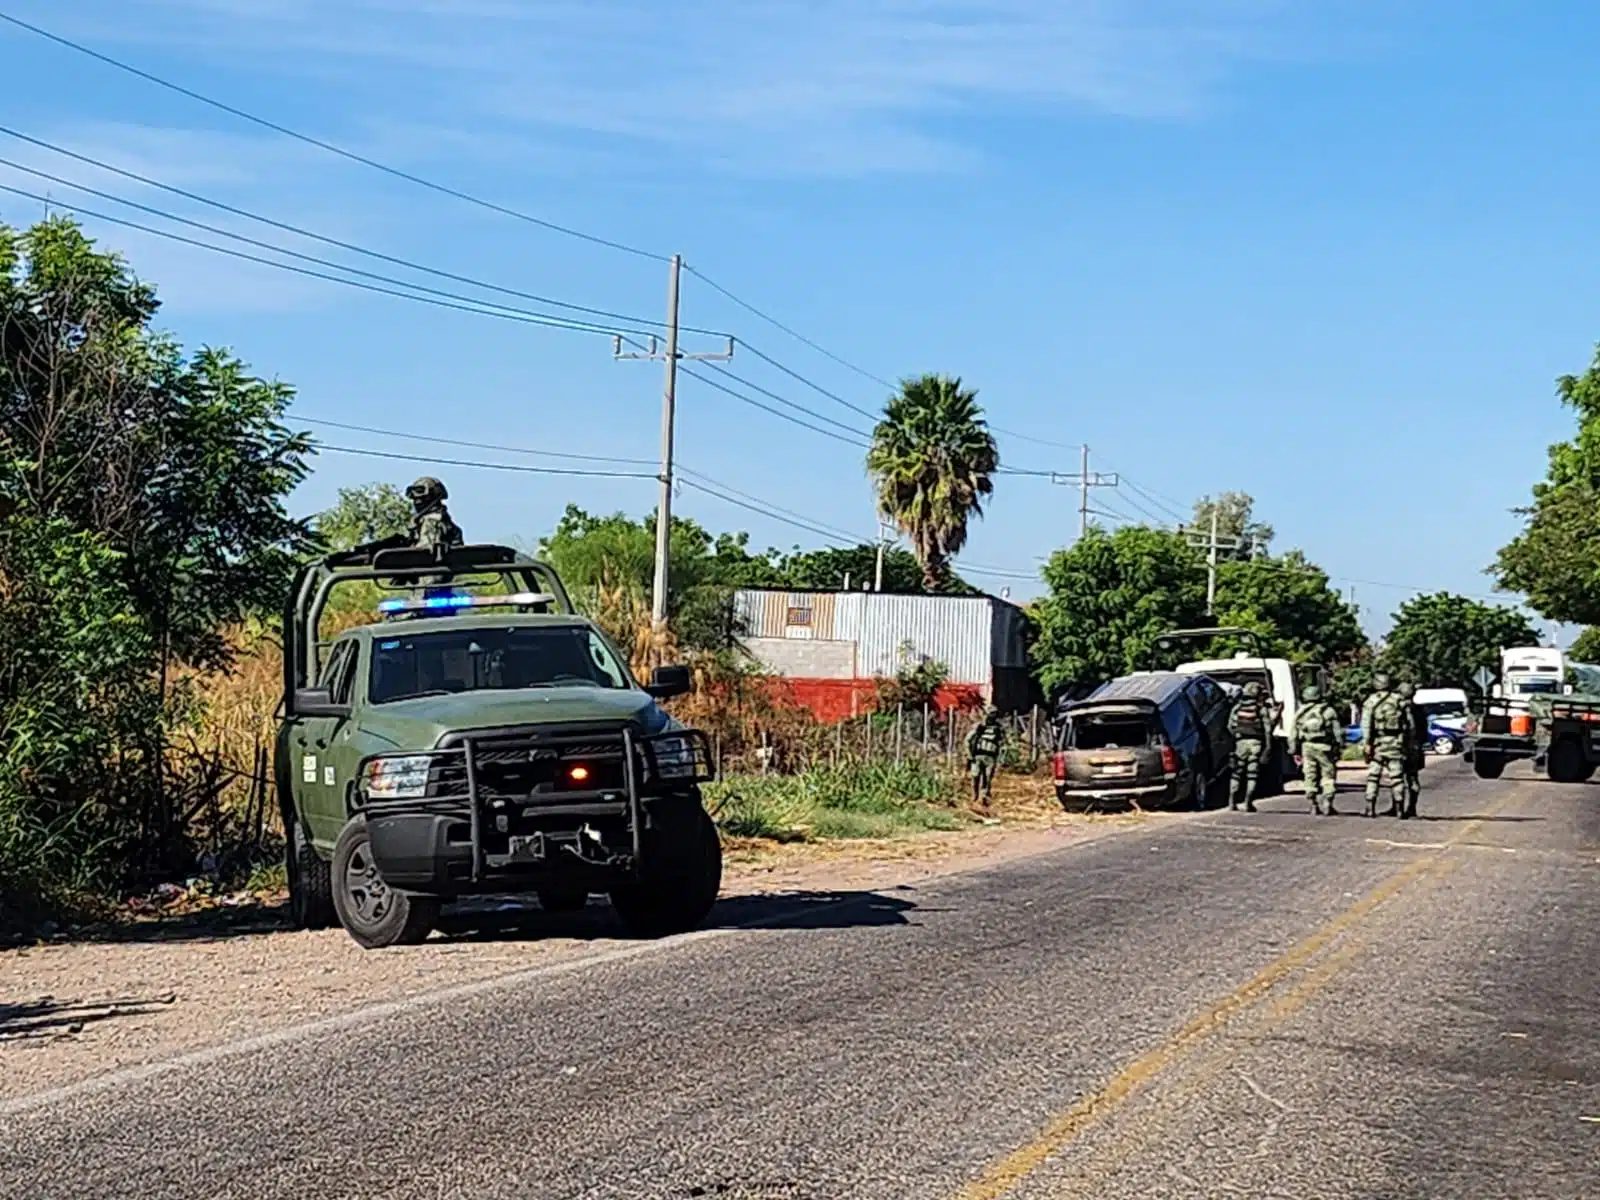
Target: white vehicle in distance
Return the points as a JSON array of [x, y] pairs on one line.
[[1530, 671], [1446, 710]]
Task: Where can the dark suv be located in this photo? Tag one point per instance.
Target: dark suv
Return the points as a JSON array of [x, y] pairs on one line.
[[1156, 739]]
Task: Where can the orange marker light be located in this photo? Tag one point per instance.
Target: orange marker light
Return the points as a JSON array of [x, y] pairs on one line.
[[578, 774]]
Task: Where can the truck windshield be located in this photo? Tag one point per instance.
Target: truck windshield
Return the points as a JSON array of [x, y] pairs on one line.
[[432, 664]]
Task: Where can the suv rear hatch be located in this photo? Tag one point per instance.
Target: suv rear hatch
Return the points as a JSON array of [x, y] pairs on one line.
[[1115, 746]]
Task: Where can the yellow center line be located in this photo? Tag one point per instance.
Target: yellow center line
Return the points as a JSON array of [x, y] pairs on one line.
[[1010, 1171]]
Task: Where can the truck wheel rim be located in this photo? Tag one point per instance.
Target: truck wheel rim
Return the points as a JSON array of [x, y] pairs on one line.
[[369, 895]]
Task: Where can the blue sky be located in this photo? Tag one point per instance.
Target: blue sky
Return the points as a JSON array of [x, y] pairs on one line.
[[1332, 254]]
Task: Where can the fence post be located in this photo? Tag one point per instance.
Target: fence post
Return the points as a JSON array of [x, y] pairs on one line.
[[950, 737], [899, 730], [838, 744], [924, 729], [1033, 738], [766, 755]]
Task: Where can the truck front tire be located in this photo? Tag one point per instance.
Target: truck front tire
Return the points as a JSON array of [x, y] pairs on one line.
[[372, 912], [677, 886], [310, 879]]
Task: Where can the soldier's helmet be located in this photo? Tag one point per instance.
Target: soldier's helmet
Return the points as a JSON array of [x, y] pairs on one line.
[[426, 490], [1312, 692], [991, 713], [1252, 689], [1408, 689], [1381, 682]]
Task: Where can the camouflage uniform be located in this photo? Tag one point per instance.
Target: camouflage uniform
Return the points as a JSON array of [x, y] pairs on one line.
[[1386, 737], [1317, 738], [1416, 750], [1250, 721], [431, 526], [983, 754]]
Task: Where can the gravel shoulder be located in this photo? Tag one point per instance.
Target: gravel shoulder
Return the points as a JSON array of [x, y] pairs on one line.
[[71, 1010]]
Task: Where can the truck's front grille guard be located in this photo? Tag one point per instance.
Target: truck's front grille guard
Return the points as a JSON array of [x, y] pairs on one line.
[[639, 757]]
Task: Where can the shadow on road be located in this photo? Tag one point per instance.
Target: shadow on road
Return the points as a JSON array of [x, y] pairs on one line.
[[1487, 818], [499, 918], [49, 1017]]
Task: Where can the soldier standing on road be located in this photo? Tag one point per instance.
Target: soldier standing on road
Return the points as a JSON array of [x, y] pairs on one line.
[[1250, 721], [1416, 749], [431, 526], [1317, 739], [1386, 736], [983, 755]]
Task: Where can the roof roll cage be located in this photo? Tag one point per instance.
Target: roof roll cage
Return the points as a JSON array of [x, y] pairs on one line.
[[396, 564]]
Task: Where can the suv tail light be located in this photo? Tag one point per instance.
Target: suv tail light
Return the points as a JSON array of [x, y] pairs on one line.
[[1169, 760], [1058, 765]]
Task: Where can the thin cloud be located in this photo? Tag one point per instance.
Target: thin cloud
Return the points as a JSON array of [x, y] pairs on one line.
[[762, 86]]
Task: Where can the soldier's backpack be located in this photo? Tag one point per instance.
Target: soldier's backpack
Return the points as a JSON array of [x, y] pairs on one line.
[[1247, 718], [1387, 718]]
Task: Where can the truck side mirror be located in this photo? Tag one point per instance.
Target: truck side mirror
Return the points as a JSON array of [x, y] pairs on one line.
[[667, 682], [318, 702]]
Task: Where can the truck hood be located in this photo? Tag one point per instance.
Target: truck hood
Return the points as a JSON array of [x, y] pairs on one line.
[[420, 723]]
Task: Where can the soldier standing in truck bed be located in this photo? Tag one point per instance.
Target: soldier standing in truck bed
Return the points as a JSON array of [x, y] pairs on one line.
[[431, 526]]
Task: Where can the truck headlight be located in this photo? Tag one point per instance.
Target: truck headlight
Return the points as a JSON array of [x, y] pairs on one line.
[[674, 757], [404, 778]]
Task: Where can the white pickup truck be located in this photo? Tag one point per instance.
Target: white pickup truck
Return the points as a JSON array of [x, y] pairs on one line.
[[1283, 682]]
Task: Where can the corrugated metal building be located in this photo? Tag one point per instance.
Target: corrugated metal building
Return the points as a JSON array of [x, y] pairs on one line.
[[834, 646]]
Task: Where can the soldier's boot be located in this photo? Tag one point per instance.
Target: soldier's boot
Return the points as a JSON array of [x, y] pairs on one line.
[[1316, 807], [1372, 803]]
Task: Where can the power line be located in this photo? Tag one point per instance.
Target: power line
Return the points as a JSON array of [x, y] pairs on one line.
[[330, 147], [774, 411], [476, 307], [816, 387], [756, 508], [771, 395], [460, 462], [564, 322], [843, 534], [300, 231], [444, 441], [779, 325]]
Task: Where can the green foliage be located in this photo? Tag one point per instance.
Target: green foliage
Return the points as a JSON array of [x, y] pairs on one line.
[[76, 708], [828, 569], [1235, 520], [1351, 681], [363, 514], [1555, 560], [1442, 640], [1585, 647], [1110, 596], [853, 800], [141, 515], [916, 683], [932, 461], [1290, 603]]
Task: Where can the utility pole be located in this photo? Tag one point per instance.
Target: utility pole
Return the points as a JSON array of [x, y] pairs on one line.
[[1211, 543], [1083, 481], [883, 540], [669, 400]]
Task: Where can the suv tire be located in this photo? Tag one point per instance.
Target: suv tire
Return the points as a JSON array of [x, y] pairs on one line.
[[676, 891], [1488, 766], [372, 912], [310, 880]]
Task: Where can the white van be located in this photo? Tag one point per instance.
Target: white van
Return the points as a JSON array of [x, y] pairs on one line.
[[1447, 708]]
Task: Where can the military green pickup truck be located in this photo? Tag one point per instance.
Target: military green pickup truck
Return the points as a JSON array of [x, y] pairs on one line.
[[480, 737]]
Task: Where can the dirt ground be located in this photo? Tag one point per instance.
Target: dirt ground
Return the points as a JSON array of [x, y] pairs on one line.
[[152, 990]]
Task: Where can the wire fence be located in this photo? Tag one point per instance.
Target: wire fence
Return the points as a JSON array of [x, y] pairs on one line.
[[884, 736]]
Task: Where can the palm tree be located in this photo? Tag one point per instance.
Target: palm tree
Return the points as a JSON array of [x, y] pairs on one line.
[[932, 461]]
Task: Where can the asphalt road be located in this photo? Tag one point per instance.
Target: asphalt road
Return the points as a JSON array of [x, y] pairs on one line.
[[1266, 1006]]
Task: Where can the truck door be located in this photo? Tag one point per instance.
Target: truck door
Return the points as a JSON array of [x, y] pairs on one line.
[[314, 752]]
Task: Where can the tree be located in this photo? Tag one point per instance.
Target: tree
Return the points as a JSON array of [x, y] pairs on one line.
[[1585, 647], [363, 514], [829, 569], [1289, 602], [932, 462], [1442, 640], [1110, 596], [1235, 512], [1555, 560], [141, 513]]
